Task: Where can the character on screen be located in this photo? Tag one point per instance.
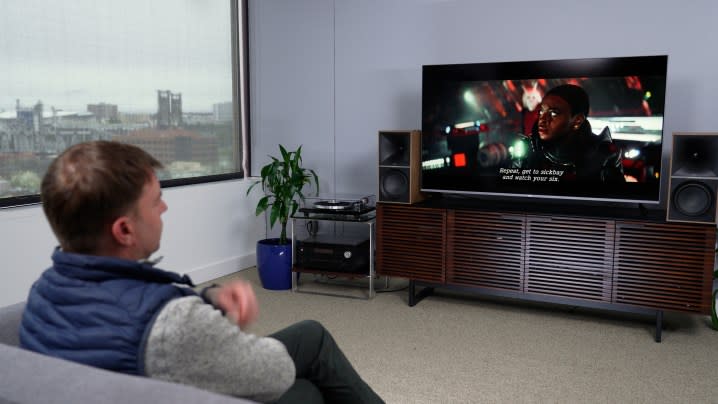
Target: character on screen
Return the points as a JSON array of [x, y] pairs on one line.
[[530, 99], [562, 140]]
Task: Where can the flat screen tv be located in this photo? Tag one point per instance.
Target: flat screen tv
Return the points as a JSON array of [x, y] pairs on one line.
[[574, 129]]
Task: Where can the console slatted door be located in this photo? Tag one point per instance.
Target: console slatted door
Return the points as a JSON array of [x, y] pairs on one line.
[[569, 257], [485, 249], [410, 242], [665, 266]]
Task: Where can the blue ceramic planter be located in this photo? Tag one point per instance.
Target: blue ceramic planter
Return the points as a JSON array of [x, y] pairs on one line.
[[274, 264]]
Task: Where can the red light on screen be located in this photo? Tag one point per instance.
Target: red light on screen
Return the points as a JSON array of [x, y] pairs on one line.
[[459, 160]]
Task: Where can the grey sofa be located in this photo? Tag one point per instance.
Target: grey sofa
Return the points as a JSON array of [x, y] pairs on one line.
[[28, 377]]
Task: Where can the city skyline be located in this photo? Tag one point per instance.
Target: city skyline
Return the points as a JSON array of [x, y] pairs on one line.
[[83, 107], [120, 53]]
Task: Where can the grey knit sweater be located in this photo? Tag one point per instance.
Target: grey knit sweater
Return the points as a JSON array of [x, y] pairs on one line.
[[191, 342]]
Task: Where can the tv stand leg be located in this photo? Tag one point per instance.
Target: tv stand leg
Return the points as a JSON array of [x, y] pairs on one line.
[[415, 298], [659, 325]]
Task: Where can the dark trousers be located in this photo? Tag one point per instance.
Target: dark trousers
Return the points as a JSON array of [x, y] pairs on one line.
[[324, 374]]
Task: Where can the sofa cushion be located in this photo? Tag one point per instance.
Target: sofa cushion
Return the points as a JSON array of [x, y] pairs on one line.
[[10, 317], [36, 378]]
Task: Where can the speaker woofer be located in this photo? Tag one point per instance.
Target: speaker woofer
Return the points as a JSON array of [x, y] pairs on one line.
[[693, 199], [394, 184]]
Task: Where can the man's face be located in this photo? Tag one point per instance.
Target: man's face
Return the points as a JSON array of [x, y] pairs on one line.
[[147, 219], [555, 120]]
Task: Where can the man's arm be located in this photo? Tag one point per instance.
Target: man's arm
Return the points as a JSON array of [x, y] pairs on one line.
[[190, 342], [236, 299]]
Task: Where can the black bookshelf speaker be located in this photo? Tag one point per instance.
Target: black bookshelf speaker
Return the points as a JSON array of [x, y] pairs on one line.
[[399, 166], [693, 181]]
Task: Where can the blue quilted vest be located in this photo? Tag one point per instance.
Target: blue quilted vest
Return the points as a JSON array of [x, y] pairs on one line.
[[97, 310]]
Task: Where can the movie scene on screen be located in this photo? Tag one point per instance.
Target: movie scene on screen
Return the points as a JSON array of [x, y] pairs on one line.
[[581, 136]]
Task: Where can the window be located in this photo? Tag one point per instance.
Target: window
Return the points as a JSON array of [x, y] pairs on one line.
[[166, 75]]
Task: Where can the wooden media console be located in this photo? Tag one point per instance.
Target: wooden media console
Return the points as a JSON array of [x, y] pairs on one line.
[[642, 265]]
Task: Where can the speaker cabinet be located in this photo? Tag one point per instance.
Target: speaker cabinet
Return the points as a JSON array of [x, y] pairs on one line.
[[399, 166], [693, 181]]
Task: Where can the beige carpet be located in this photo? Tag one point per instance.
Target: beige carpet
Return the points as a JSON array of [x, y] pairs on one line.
[[453, 348]]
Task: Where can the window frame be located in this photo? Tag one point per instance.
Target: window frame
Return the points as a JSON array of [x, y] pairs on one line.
[[240, 104]]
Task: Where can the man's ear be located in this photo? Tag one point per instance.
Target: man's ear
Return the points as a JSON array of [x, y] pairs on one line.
[[577, 121], [122, 231]]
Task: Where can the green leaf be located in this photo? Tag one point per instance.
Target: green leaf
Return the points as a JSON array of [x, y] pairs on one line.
[[252, 186], [274, 214], [262, 205]]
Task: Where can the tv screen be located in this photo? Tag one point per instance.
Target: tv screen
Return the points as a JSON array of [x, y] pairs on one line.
[[582, 129]]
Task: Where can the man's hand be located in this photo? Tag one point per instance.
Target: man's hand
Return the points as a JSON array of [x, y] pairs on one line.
[[238, 301]]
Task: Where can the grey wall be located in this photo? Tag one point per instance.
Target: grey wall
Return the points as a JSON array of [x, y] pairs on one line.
[[329, 74], [291, 82]]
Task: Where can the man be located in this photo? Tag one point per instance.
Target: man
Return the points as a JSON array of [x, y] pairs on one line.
[[562, 139], [102, 302]]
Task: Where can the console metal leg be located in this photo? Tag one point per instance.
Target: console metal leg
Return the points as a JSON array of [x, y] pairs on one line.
[[659, 325], [412, 288], [415, 298]]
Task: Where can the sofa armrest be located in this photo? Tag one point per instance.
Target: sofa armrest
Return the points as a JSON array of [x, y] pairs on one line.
[[10, 317], [29, 377]]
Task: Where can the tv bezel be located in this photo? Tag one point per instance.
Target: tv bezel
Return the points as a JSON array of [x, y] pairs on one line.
[[655, 65]]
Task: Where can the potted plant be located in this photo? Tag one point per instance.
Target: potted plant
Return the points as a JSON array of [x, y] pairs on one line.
[[282, 182]]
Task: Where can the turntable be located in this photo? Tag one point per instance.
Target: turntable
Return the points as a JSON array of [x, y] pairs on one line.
[[348, 207], [334, 204]]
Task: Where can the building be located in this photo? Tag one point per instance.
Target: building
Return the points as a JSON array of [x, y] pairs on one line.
[[135, 118], [169, 109], [176, 110], [104, 112], [223, 111], [172, 145]]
